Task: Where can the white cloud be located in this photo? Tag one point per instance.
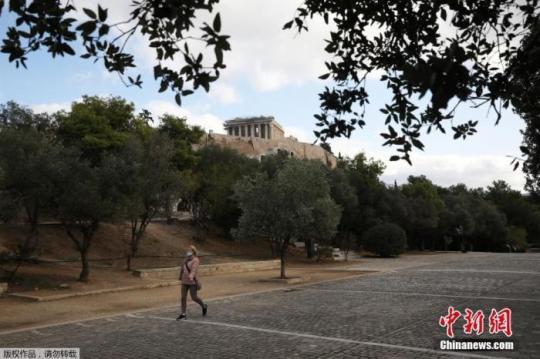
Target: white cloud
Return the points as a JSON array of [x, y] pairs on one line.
[[347, 147], [266, 56], [299, 133], [206, 120], [118, 10], [267, 79], [446, 170], [262, 52], [224, 93], [475, 170], [50, 107], [81, 77]]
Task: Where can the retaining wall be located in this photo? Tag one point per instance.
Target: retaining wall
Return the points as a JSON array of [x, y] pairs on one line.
[[209, 269]]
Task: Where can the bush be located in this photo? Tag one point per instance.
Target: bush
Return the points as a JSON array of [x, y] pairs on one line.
[[517, 238], [385, 239]]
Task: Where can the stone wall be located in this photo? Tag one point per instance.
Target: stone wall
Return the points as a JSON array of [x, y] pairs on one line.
[[210, 269], [258, 147]]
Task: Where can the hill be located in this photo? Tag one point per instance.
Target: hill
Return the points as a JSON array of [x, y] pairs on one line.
[[163, 245]]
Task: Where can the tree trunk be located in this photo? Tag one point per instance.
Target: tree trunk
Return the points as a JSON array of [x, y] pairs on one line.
[[82, 245], [34, 220], [347, 245], [283, 252], [128, 262], [282, 265], [138, 227], [134, 248], [272, 248], [310, 250], [32, 214], [85, 272]]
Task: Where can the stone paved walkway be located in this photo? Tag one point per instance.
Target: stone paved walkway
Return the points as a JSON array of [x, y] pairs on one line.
[[386, 315]]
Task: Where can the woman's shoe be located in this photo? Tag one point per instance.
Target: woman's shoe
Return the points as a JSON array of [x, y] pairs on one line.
[[181, 316], [204, 309]]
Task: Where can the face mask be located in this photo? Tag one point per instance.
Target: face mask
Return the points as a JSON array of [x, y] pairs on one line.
[[189, 253]]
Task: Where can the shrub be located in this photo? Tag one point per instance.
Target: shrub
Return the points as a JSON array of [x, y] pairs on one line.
[[386, 239], [517, 238]]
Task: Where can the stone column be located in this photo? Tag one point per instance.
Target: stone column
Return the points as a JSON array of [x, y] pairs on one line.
[[269, 131]]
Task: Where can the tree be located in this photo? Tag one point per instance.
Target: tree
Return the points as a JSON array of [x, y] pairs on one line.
[[458, 51], [89, 195], [29, 163], [363, 174], [29, 160], [490, 230], [208, 187], [184, 137], [385, 239], [273, 163], [517, 238], [152, 182], [98, 125], [457, 213], [326, 214], [13, 115], [517, 209], [394, 206], [168, 26], [531, 150], [524, 75], [424, 208], [461, 52], [286, 206], [344, 194]]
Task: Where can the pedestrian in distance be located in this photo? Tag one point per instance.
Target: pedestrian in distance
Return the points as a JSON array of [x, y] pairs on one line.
[[190, 282]]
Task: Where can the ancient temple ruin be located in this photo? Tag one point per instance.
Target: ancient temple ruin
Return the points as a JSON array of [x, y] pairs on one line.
[[256, 137], [257, 127]]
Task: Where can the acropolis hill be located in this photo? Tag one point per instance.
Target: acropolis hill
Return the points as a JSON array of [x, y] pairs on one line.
[[256, 137]]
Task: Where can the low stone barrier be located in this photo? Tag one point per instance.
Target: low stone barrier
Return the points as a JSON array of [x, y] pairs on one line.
[[209, 269]]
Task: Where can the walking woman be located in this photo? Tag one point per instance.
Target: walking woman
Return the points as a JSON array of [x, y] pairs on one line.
[[190, 282]]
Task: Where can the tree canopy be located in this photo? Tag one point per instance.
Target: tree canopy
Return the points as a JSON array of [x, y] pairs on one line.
[[524, 76], [456, 51], [63, 29], [97, 125], [283, 208], [115, 167], [469, 52]]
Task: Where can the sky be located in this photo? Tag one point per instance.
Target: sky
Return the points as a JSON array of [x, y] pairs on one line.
[[269, 72]]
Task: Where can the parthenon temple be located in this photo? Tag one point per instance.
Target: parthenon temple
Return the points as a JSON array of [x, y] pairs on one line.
[[261, 127], [256, 137]]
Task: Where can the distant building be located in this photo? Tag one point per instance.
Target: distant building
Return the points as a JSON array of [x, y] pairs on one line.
[[255, 127], [256, 137]]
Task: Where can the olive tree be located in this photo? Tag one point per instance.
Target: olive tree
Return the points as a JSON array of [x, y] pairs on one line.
[[88, 196], [286, 206], [152, 182]]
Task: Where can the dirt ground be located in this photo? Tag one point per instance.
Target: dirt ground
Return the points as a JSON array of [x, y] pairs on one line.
[[16, 313], [163, 246]]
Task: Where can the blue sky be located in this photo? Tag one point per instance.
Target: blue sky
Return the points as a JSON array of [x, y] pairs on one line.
[[270, 72]]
